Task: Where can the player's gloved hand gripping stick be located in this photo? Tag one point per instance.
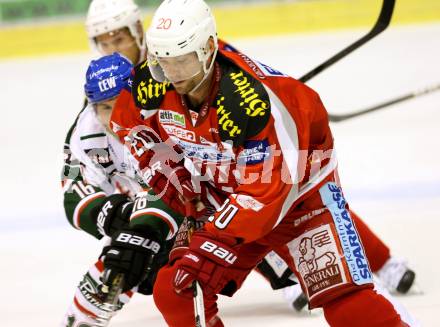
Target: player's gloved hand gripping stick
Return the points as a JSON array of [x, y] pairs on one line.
[[110, 304]]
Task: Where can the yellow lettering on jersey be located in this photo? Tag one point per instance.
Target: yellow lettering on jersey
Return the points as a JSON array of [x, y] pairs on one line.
[[224, 122], [151, 90], [255, 106]]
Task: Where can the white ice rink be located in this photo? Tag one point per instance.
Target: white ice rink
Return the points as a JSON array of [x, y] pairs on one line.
[[389, 164]]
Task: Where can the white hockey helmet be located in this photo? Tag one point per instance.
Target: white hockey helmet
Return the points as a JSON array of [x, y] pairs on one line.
[[180, 27], [105, 16]]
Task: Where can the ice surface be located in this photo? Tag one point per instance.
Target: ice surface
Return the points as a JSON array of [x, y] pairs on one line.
[[389, 165]]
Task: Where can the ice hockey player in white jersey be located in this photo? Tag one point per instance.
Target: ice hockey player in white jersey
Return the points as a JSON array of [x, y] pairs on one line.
[[116, 26], [103, 198]]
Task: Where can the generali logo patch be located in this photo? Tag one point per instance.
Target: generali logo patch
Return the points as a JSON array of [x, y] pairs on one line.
[[317, 260]]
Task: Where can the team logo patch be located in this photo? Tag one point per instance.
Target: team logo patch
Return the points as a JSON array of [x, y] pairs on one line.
[[317, 259], [354, 253]]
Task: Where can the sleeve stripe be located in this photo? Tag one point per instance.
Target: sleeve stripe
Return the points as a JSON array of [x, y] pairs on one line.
[[81, 205], [162, 215], [287, 134], [82, 308]]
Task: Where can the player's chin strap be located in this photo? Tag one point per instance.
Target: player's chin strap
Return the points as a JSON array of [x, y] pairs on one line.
[[205, 71]]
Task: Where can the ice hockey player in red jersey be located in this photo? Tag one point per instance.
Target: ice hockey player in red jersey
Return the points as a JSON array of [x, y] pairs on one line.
[[261, 139], [116, 26]]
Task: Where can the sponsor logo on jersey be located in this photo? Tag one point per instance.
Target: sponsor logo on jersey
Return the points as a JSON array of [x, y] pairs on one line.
[[252, 102], [317, 259], [269, 71], [208, 152], [248, 202], [180, 133], [224, 121], [308, 216], [152, 89], [353, 251], [171, 117], [253, 66], [254, 152]]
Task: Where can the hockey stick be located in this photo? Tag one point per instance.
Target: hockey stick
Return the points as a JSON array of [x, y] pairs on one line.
[[338, 118], [110, 303], [381, 24], [199, 307]]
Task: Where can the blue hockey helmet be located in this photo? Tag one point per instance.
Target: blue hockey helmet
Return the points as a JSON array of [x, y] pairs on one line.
[[106, 77]]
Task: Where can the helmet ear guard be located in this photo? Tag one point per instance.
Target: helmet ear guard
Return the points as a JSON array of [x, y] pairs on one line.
[[105, 16]]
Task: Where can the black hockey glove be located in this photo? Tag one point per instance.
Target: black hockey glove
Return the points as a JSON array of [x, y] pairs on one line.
[[131, 253], [114, 214]]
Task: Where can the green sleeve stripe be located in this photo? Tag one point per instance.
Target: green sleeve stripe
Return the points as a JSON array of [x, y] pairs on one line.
[[90, 136], [87, 222], [79, 211], [155, 213], [171, 225], [82, 206]]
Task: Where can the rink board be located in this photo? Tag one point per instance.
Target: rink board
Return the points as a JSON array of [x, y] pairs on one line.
[[236, 21]]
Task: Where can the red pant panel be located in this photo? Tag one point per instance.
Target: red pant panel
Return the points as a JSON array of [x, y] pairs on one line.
[[376, 250], [365, 308], [320, 263], [177, 310]]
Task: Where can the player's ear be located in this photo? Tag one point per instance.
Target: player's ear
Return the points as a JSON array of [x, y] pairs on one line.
[[211, 44]]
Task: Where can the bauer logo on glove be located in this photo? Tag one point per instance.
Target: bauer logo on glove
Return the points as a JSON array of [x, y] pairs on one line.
[[138, 240]]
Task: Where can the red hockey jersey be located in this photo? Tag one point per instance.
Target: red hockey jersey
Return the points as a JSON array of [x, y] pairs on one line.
[[261, 137]]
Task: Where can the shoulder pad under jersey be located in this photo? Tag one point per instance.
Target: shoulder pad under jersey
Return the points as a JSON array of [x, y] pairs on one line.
[[147, 93], [243, 105]]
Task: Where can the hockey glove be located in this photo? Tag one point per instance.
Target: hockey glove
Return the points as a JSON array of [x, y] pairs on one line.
[[131, 253], [206, 260], [113, 215]]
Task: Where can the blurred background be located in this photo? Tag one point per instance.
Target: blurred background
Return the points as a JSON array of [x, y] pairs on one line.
[[389, 160], [41, 27]]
